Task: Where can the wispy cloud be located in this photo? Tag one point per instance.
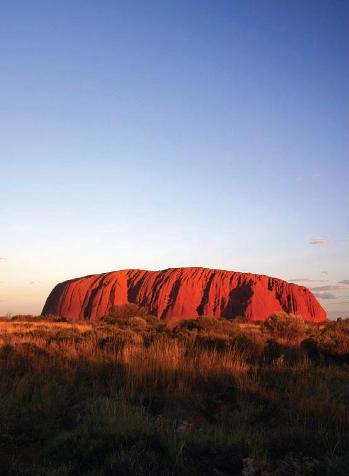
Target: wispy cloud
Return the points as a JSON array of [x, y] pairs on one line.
[[324, 295], [2, 258], [34, 282], [344, 281], [319, 240], [307, 280], [328, 291], [329, 287]]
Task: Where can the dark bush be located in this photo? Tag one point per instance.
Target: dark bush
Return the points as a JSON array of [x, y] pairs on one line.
[[216, 459], [311, 349], [272, 351]]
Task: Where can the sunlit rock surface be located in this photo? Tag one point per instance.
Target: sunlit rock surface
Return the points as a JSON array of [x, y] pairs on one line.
[[180, 293]]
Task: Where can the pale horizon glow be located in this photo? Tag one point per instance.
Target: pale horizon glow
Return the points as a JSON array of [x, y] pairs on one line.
[[164, 134]]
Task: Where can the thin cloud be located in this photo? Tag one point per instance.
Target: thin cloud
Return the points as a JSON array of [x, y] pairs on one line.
[[34, 282], [2, 258], [308, 280], [328, 291], [329, 287], [344, 281], [337, 300], [324, 295], [325, 273], [319, 240]]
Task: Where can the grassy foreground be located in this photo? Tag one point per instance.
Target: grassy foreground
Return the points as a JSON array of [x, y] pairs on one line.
[[130, 396]]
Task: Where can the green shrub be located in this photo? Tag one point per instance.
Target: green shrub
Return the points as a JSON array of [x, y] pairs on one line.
[[138, 323], [252, 343], [289, 327], [125, 311], [120, 339], [207, 324], [333, 341]]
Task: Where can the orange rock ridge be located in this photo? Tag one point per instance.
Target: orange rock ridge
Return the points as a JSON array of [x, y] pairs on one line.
[[180, 293]]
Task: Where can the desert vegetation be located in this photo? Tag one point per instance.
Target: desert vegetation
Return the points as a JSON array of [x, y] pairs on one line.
[[132, 395]]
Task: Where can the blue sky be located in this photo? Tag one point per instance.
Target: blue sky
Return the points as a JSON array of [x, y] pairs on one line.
[[173, 133]]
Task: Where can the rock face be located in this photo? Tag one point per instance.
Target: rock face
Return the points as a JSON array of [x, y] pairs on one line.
[[180, 293]]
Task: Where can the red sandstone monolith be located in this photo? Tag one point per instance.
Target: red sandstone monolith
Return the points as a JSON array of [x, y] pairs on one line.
[[182, 293]]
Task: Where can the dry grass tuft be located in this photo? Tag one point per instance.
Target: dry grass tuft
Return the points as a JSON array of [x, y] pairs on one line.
[[201, 397]]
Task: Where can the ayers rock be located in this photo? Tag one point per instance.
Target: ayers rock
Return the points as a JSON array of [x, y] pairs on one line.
[[180, 293]]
